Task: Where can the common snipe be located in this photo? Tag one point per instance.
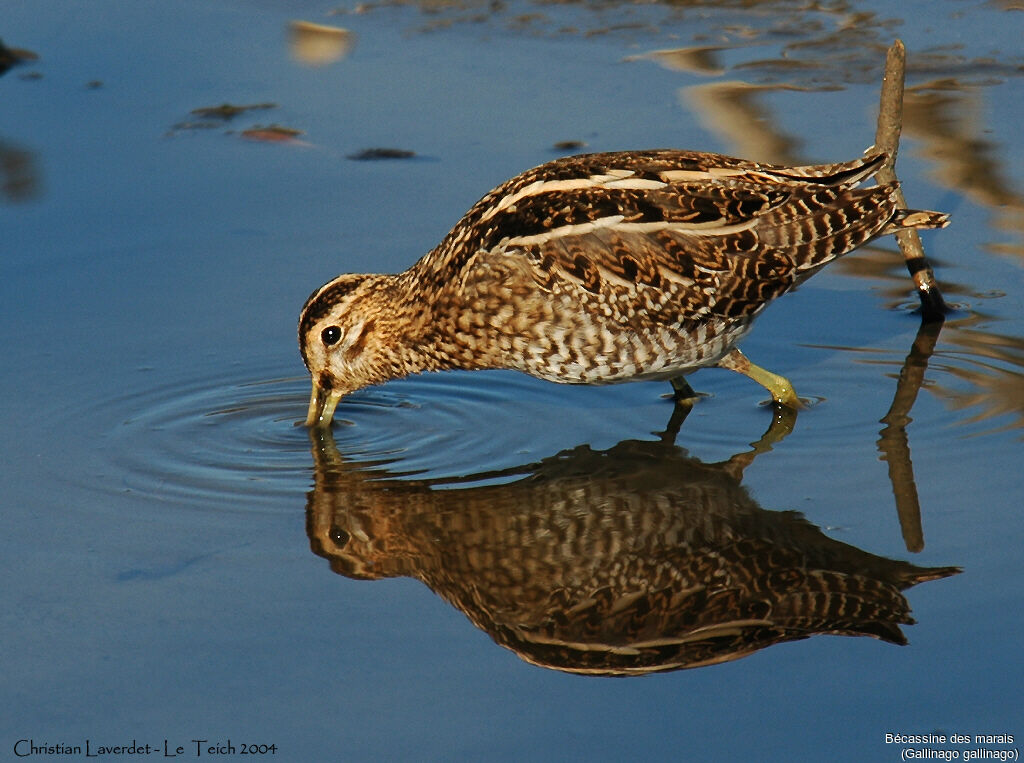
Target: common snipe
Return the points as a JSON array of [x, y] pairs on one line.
[[601, 268]]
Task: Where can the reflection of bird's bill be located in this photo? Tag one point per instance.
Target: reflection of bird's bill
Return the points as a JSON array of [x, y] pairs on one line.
[[322, 403], [597, 562]]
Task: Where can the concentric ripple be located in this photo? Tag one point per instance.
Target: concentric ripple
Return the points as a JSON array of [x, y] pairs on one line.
[[229, 443], [235, 441]]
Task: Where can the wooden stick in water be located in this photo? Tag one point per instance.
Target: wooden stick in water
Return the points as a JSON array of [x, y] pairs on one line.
[[887, 139]]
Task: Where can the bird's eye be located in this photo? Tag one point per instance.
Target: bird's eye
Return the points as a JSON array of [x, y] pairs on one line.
[[339, 536], [331, 335]]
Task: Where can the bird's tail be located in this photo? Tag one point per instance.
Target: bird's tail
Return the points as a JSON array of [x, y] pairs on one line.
[[916, 218]]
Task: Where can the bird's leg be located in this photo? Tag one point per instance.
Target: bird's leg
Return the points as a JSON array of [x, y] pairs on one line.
[[780, 387], [681, 389]]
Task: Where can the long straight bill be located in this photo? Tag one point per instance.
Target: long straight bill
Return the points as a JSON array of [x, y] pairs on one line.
[[322, 403]]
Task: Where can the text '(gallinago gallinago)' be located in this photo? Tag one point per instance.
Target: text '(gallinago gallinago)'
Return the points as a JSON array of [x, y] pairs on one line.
[[601, 268]]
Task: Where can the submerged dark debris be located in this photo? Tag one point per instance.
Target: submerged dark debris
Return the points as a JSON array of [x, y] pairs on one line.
[[228, 111], [216, 117], [370, 154]]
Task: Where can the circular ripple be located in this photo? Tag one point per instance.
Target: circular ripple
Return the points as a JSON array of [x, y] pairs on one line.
[[235, 441], [225, 443], [461, 423]]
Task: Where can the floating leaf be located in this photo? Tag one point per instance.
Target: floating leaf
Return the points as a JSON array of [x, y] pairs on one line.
[[272, 134]]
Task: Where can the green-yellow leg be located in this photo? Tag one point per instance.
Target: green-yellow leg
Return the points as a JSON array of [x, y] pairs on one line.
[[780, 387]]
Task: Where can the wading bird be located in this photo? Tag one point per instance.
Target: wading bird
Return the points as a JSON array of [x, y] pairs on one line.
[[599, 269]]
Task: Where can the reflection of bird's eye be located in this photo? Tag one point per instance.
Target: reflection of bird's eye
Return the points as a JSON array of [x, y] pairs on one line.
[[339, 536], [330, 335]]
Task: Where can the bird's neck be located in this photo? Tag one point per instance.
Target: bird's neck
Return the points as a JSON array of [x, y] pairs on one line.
[[417, 326]]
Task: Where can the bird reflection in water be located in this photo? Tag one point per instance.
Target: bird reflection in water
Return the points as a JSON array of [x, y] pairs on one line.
[[633, 560]]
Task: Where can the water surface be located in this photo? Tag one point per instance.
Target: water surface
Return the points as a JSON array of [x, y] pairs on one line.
[[172, 538]]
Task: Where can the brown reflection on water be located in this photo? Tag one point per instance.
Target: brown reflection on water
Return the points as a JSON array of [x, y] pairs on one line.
[[808, 45], [628, 561], [19, 173], [990, 364], [948, 118], [736, 111], [697, 59], [318, 44]]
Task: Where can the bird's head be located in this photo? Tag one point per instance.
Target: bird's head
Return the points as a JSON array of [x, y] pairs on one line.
[[340, 337]]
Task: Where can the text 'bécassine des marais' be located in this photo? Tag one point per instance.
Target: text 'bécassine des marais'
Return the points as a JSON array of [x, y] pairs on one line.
[[950, 739]]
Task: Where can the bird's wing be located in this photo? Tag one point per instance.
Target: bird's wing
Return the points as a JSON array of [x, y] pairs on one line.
[[719, 237]]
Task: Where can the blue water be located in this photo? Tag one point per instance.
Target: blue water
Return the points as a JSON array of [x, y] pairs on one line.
[[162, 580]]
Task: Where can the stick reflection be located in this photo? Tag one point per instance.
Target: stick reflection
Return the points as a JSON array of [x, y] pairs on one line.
[[893, 442]]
